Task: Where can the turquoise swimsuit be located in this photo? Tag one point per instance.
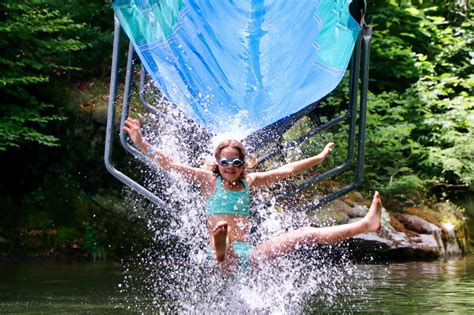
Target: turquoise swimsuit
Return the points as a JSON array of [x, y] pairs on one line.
[[234, 203], [229, 202]]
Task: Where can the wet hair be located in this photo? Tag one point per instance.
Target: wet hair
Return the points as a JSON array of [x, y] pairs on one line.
[[232, 144], [242, 155]]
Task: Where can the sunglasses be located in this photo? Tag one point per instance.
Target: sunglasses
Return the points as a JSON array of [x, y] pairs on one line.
[[235, 162]]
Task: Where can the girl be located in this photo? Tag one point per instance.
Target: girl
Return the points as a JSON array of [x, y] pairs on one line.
[[226, 190]]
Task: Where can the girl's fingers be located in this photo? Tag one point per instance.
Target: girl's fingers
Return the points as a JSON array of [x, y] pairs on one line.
[[131, 125], [132, 121]]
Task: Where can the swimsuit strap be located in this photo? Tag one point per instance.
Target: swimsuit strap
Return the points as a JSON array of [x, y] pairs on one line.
[[219, 183], [246, 185]]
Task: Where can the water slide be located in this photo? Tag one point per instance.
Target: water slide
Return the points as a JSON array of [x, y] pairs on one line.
[[249, 65], [242, 63]]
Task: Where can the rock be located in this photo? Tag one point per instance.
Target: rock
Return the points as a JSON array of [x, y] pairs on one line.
[[338, 205], [427, 243], [417, 224], [353, 197], [327, 218], [431, 242], [358, 195], [417, 239], [356, 211]]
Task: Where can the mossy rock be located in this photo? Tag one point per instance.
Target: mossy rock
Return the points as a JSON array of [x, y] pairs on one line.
[[450, 213], [328, 218], [399, 227], [425, 213], [438, 213], [354, 197]]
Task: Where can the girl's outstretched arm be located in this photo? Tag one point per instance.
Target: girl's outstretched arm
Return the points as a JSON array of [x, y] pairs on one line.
[[287, 170], [194, 174]]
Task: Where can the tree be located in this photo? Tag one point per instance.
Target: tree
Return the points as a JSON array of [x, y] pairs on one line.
[[33, 41], [421, 121]]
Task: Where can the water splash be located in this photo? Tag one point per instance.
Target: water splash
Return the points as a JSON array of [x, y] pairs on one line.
[[176, 273]]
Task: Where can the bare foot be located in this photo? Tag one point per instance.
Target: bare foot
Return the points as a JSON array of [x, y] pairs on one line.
[[373, 216], [219, 237]]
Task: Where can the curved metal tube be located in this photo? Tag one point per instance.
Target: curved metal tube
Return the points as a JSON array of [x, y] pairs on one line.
[[110, 127]]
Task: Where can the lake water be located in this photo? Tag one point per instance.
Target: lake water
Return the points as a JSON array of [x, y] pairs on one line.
[[444, 286]]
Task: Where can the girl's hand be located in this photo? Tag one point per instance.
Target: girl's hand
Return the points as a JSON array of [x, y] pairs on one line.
[[328, 148], [132, 128]]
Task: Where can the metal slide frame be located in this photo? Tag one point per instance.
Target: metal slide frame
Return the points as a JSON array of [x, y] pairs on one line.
[[111, 120], [359, 65]]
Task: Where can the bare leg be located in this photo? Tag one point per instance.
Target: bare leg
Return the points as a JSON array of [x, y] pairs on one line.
[[219, 240], [224, 250], [288, 242]]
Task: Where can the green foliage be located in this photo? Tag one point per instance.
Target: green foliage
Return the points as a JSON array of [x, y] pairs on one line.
[[65, 236], [447, 129], [455, 159], [67, 187], [420, 105], [395, 32], [96, 35], [405, 188], [388, 139], [39, 36], [91, 244], [38, 220], [421, 133]]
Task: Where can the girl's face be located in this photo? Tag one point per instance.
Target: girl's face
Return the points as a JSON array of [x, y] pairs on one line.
[[230, 173]]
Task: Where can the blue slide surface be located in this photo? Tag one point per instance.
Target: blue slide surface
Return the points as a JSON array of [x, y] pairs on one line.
[[241, 64]]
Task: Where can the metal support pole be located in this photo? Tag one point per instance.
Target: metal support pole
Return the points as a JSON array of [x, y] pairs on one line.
[[356, 68], [110, 126]]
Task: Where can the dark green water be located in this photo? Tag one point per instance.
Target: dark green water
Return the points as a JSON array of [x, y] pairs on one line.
[[59, 288], [445, 286]]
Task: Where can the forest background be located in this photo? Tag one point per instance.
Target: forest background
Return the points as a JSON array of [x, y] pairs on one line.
[[56, 197]]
